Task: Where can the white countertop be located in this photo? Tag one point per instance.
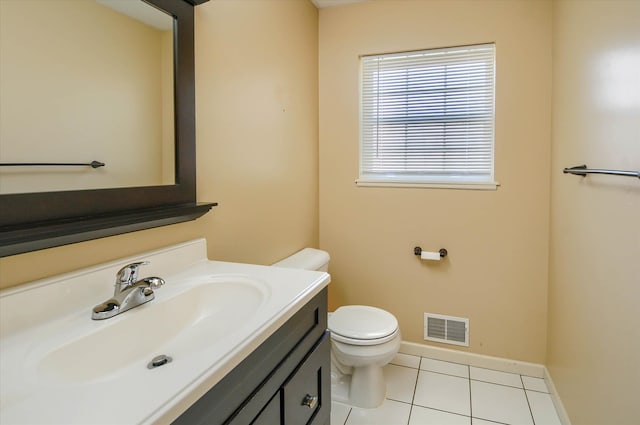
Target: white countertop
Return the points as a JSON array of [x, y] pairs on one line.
[[108, 382]]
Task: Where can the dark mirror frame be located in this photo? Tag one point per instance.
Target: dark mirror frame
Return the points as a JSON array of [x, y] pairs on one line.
[[33, 221]]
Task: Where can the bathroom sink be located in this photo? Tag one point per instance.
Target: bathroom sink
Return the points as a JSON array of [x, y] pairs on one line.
[[189, 320], [208, 317]]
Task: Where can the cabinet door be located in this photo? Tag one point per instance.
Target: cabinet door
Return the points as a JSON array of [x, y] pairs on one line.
[[270, 415], [306, 395]]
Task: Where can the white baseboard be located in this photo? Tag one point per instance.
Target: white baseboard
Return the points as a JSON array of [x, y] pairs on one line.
[[472, 359], [562, 413], [488, 362]]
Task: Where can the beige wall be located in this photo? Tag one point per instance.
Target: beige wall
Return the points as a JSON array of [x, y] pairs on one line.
[[496, 272], [257, 114], [593, 334], [168, 111], [73, 92], [257, 143]]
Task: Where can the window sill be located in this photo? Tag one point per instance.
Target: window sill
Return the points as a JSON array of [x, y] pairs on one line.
[[428, 185]]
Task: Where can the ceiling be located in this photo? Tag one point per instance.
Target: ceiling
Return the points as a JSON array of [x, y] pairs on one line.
[[142, 12]]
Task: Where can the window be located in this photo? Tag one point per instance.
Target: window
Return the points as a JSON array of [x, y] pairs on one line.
[[427, 118]]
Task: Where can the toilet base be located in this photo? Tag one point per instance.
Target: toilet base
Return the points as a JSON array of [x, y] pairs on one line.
[[366, 388]]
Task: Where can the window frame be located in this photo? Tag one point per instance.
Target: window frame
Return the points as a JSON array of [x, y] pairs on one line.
[[426, 179]]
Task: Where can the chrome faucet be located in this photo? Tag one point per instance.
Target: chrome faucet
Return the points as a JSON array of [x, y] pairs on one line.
[[129, 292]]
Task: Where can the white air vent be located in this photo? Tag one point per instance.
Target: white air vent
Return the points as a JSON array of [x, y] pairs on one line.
[[446, 329]]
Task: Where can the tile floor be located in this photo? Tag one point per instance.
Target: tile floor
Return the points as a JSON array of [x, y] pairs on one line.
[[423, 391]]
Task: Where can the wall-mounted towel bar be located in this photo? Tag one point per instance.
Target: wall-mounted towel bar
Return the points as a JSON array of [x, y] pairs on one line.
[[582, 170], [92, 164]]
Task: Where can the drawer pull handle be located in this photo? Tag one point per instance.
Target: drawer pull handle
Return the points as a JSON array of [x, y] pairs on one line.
[[311, 401]]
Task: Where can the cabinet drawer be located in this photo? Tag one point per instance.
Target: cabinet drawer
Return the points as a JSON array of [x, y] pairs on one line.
[[306, 394]]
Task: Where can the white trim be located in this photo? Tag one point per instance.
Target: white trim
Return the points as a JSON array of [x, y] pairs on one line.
[[472, 359], [557, 403], [333, 3], [434, 185], [427, 117]]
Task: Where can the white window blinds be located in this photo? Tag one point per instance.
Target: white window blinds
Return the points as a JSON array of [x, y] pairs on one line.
[[427, 116]]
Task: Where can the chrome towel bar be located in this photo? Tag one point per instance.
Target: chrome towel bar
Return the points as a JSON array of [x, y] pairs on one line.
[[92, 164], [582, 170]]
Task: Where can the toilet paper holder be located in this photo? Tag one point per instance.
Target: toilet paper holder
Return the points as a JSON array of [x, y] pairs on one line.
[[418, 251]]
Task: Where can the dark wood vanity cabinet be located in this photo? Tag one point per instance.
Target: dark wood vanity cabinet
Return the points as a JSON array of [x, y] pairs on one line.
[[285, 381]]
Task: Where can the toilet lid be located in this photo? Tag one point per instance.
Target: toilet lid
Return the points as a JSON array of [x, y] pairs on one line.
[[361, 322]]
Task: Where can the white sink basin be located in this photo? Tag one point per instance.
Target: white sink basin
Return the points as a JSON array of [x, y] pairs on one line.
[[57, 366], [206, 308]]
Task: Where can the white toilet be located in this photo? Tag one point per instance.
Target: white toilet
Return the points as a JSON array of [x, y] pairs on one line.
[[363, 340]]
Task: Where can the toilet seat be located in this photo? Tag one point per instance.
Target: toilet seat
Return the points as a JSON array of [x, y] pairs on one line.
[[362, 325]]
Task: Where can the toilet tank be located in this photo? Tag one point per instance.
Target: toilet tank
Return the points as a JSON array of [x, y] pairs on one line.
[[307, 259]]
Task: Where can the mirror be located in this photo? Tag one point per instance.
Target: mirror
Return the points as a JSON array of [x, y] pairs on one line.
[[74, 93], [32, 219]]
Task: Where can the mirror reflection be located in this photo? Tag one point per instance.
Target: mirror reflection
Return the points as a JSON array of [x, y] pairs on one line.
[[83, 81]]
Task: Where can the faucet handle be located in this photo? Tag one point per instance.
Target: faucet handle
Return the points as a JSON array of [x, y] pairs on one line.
[[129, 274], [153, 282]]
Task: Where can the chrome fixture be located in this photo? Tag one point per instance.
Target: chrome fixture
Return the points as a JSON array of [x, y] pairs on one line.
[[129, 292], [158, 361], [311, 401], [442, 251], [92, 164], [582, 170]]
